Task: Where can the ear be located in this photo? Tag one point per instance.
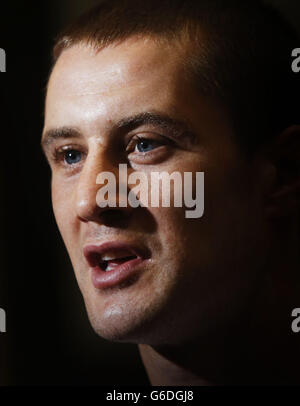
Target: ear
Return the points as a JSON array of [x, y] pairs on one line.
[[284, 196]]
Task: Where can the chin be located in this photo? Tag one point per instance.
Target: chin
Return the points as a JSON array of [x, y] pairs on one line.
[[139, 314], [121, 324], [117, 328]]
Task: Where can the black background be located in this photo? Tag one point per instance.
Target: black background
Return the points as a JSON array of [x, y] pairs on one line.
[[49, 339]]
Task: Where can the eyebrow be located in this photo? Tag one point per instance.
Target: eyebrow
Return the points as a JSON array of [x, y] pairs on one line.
[[163, 121], [58, 133], [178, 128]]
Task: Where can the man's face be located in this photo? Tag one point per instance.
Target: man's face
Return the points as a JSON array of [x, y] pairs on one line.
[[193, 273]]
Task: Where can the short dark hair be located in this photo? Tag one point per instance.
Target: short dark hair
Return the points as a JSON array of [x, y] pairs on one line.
[[241, 53]]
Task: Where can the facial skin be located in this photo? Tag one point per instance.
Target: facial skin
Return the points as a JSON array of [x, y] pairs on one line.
[[203, 272]]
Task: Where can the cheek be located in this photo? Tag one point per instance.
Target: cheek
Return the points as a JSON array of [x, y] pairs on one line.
[[175, 234], [63, 210]]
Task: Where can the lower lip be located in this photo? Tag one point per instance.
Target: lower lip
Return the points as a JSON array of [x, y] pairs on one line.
[[120, 274]]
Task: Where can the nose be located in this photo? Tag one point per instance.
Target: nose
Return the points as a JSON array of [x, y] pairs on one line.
[[92, 203]]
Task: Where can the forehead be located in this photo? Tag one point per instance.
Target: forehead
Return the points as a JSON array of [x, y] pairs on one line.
[[137, 72], [126, 61]]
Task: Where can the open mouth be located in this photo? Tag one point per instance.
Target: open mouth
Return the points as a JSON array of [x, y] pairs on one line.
[[115, 263], [110, 256]]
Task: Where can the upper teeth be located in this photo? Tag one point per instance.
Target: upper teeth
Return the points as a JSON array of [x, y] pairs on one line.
[[109, 256]]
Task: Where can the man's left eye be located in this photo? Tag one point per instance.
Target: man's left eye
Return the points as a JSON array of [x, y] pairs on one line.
[[145, 145], [72, 157]]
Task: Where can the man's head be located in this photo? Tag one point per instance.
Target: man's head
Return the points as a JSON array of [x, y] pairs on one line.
[[168, 86]]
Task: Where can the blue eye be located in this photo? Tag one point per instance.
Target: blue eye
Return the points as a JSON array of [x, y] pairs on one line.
[[146, 145], [72, 157]]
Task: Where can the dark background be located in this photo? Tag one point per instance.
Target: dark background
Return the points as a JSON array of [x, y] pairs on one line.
[[49, 339]]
